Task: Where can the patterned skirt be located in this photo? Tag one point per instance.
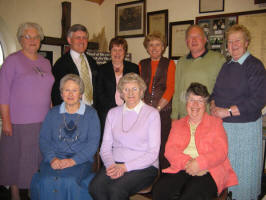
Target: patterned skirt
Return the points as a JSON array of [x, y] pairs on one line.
[[245, 154], [20, 155]]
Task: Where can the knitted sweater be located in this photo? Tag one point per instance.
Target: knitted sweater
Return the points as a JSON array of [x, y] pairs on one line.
[[202, 69], [57, 141], [132, 138]]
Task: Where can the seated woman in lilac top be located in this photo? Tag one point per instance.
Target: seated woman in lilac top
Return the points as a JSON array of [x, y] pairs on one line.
[[26, 82], [130, 146]]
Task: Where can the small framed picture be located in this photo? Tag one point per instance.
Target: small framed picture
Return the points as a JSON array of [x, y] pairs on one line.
[[259, 1], [206, 6], [130, 19], [158, 22], [177, 39]]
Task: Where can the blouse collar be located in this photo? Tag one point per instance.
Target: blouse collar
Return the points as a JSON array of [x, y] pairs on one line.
[[242, 59], [137, 108], [80, 111]]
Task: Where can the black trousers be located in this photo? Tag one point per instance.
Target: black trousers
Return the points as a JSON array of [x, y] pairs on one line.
[[102, 187], [182, 186]]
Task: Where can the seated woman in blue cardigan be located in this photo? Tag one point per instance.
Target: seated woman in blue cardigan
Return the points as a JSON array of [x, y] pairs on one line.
[[69, 138]]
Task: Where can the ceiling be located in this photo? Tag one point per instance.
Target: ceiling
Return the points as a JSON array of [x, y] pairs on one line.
[[96, 1]]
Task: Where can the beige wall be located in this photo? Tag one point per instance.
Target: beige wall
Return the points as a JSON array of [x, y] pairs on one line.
[[48, 14]]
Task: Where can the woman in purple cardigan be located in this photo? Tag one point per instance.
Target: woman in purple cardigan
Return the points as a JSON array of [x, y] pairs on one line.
[[25, 89], [130, 146]]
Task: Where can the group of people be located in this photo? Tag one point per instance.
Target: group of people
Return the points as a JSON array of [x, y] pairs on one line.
[[154, 126]]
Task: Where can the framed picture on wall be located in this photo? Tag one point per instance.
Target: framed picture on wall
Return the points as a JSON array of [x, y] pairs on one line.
[[157, 21], [130, 19], [206, 6], [259, 1], [177, 39], [215, 28]]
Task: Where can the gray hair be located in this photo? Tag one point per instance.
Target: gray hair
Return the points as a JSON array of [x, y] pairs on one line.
[[72, 77], [199, 90], [239, 28], [76, 27], [27, 25], [132, 78]]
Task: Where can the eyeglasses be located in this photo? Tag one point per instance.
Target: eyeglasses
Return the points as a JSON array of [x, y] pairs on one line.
[[199, 101], [129, 90], [28, 37]]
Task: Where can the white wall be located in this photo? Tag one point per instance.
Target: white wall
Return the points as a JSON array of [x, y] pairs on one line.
[[178, 10], [48, 14]]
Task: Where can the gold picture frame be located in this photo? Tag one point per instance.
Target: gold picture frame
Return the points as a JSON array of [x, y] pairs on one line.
[[130, 19], [157, 21]]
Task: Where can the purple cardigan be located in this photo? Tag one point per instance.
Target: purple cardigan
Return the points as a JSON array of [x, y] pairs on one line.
[[133, 140], [25, 85]]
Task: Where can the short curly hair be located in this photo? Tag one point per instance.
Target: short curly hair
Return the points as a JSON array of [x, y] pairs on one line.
[[27, 25], [131, 78], [154, 36], [72, 77], [239, 28], [199, 90], [118, 41]]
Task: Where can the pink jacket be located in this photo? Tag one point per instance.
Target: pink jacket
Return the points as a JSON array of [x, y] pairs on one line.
[[212, 146]]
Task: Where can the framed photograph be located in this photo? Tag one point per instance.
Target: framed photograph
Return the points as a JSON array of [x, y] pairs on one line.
[[215, 27], [206, 6], [130, 19], [177, 39], [157, 21], [259, 1]]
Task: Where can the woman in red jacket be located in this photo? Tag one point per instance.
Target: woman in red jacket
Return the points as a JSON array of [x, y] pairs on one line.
[[197, 151]]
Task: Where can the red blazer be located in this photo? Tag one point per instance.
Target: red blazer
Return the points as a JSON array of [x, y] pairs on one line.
[[212, 147]]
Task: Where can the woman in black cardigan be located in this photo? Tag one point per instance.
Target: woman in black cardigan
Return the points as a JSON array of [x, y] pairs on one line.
[[109, 75]]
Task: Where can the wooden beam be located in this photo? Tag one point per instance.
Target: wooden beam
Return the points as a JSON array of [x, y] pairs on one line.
[[66, 18]]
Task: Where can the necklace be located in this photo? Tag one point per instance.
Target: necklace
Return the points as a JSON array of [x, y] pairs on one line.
[[75, 123], [123, 129]]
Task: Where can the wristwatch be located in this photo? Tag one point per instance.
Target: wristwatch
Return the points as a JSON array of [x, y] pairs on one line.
[[230, 111]]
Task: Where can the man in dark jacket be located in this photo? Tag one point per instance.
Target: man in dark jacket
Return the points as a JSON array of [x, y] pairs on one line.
[[76, 61]]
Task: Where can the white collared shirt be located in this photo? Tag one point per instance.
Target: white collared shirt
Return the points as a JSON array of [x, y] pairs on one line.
[[77, 60], [137, 108]]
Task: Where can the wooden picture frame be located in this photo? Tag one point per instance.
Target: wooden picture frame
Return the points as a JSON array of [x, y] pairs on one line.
[[130, 19], [259, 1], [177, 39], [206, 6], [157, 21], [215, 27], [257, 30]]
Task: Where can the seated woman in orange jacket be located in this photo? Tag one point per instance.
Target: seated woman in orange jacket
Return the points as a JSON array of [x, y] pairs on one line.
[[197, 151]]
